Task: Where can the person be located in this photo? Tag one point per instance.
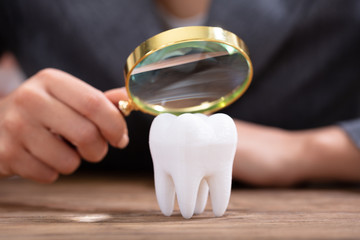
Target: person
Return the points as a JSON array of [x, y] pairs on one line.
[[299, 120]]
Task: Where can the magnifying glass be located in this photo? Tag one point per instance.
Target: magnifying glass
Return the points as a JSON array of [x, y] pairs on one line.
[[187, 70]]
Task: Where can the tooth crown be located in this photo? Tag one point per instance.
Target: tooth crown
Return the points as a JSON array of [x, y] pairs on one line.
[[189, 153], [196, 128]]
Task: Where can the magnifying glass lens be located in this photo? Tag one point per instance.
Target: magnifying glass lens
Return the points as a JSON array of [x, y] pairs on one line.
[[190, 69], [186, 75]]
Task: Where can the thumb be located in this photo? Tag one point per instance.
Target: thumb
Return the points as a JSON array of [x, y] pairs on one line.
[[116, 94]]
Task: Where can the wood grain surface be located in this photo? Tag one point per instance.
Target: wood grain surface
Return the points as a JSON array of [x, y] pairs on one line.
[[108, 207]]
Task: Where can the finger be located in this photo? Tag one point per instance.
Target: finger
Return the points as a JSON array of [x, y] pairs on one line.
[[117, 94], [88, 101], [51, 150], [26, 166], [75, 128]]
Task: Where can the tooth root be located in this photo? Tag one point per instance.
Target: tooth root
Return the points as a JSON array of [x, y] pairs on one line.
[[186, 192], [165, 192], [220, 190], [202, 197]]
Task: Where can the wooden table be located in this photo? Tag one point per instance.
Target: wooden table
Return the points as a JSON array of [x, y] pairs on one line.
[[108, 207]]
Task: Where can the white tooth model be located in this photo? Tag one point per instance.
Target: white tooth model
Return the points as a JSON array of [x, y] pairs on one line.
[[192, 153]]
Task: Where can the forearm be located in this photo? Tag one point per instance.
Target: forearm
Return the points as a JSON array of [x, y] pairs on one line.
[[329, 154], [270, 156]]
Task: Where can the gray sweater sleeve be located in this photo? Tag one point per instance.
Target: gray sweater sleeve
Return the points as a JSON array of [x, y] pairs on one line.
[[352, 128]]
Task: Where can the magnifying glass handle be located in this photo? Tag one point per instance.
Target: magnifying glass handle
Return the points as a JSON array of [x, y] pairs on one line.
[[125, 107]]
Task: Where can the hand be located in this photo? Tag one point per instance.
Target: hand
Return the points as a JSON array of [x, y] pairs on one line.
[[268, 156], [45, 114]]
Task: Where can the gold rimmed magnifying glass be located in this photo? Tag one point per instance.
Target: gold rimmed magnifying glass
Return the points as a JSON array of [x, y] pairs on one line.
[[187, 70]]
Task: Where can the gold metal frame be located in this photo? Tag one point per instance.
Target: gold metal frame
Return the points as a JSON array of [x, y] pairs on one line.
[[181, 35]]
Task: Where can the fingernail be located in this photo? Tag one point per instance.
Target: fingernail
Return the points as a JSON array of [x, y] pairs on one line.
[[124, 141]]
